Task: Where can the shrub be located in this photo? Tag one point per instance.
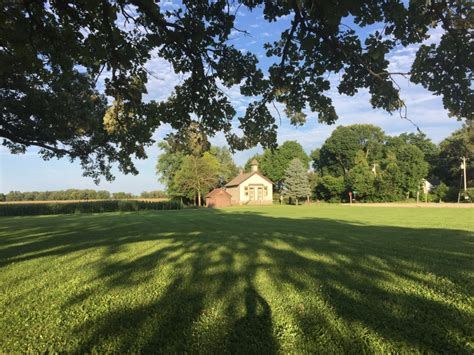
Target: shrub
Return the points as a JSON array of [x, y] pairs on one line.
[[330, 188], [31, 209], [440, 192]]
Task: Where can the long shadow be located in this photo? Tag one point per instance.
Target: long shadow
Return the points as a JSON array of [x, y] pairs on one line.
[[243, 282]]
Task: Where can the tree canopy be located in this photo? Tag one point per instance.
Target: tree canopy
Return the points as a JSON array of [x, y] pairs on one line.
[[197, 176], [338, 153], [377, 167], [274, 163], [191, 176], [459, 144], [53, 52]]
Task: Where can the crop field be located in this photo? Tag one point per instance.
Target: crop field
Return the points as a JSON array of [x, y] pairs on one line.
[[273, 279], [85, 201]]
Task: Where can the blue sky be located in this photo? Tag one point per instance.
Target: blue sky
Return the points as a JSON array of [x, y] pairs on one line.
[[29, 172]]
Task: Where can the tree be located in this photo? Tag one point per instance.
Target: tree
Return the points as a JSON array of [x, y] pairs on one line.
[[275, 162], [153, 194], [313, 179], [413, 168], [452, 149], [227, 168], [339, 151], [168, 164], [361, 178], [53, 53], [420, 140], [296, 184], [388, 180], [172, 159], [121, 195], [330, 188], [197, 175], [440, 192]]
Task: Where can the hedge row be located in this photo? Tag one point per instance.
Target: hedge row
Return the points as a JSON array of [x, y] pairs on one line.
[[31, 209]]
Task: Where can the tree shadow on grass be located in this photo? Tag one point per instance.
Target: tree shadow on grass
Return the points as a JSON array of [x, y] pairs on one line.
[[241, 282]]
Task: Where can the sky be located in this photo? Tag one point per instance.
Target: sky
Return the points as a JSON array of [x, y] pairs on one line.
[[28, 172]]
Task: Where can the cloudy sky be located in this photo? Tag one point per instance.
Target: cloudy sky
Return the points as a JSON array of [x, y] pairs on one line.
[[28, 172]]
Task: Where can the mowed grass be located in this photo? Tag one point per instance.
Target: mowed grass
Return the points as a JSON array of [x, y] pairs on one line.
[[326, 279]]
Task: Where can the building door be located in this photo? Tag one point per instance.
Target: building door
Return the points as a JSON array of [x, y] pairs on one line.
[[260, 194], [251, 193]]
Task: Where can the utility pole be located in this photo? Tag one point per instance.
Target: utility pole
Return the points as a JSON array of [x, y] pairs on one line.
[[463, 166]]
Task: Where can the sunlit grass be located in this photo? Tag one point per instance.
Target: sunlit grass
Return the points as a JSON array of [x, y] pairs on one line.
[[325, 279]]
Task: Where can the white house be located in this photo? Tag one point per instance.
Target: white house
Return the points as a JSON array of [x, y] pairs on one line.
[[250, 188], [428, 186]]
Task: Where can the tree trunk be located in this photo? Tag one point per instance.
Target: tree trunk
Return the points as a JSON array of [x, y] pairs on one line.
[[199, 198]]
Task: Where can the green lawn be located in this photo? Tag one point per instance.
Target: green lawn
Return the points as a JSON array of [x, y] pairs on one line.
[[326, 279]]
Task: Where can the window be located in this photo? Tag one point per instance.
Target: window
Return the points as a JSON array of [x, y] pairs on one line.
[[246, 190], [266, 191]]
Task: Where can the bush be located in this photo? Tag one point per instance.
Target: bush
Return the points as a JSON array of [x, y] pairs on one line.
[[330, 188], [467, 196], [440, 192], [31, 209]]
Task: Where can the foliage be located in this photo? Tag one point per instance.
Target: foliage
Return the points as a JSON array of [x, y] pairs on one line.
[[378, 167], [429, 149], [313, 179], [255, 280], [360, 179], [190, 176], [470, 194], [197, 176], [413, 168], [70, 194], [338, 153], [153, 194], [440, 192], [274, 163], [330, 188], [121, 195], [452, 149], [168, 164], [54, 52], [227, 168], [387, 182], [296, 184], [31, 209]]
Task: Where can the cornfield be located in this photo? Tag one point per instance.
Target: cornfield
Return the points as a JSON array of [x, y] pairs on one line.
[[32, 209]]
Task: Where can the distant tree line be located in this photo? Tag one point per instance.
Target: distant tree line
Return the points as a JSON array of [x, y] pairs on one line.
[[76, 194], [374, 166]]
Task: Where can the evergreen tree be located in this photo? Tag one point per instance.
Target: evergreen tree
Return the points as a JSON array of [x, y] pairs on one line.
[[296, 184]]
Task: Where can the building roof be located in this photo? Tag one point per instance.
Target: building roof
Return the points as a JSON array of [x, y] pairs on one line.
[[254, 162], [242, 177], [217, 191]]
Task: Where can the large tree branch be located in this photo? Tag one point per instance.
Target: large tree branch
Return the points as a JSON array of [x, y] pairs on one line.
[[28, 142]]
